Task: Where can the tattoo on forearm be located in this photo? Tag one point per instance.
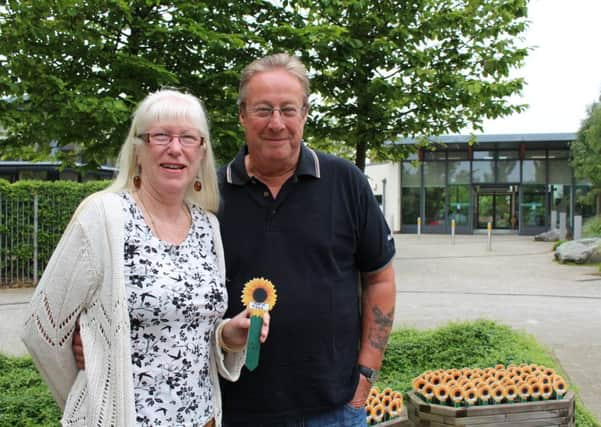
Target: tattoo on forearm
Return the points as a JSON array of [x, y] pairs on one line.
[[378, 335]]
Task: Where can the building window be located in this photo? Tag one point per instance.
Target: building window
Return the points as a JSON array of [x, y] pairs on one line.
[[533, 205], [508, 155], [560, 201], [483, 171], [559, 172], [459, 204], [69, 175], [457, 155], [410, 193], [559, 154], [434, 187], [484, 155], [39, 174], [508, 171], [435, 155], [435, 206], [535, 154], [533, 172], [459, 172], [410, 205]]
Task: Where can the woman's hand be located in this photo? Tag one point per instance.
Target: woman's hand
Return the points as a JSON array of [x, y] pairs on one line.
[[235, 332]]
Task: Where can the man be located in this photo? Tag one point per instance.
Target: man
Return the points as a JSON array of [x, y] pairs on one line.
[[308, 222]]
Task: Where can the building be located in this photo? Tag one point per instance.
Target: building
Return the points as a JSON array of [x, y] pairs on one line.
[[15, 170], [518, 183]]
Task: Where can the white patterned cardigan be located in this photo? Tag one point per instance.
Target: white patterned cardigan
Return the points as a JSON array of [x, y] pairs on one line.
[[84, 279]]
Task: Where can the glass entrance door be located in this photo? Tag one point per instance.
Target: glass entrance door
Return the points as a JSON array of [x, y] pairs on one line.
[[497, 206]]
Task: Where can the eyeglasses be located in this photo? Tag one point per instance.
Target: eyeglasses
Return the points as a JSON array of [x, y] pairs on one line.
[[265, 112], [163, 139]]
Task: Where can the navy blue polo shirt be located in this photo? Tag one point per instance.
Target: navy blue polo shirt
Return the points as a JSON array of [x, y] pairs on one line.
[[312, 241]]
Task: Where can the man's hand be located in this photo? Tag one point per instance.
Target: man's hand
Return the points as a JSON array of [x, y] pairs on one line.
[[77, 347], [361, 393]]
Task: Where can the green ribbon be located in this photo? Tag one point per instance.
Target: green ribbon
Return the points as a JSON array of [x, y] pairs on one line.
[[253, 345]]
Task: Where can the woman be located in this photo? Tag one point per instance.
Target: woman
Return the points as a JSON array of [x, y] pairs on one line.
[[140, 270]]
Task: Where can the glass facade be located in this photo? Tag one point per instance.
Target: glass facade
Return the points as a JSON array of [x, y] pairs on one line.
[[459, 172], [483, 171], [459, 204], [560, 188], [534, 172], [434, 193], [410, 193], [508, 171], [533, 205], [512, 188]]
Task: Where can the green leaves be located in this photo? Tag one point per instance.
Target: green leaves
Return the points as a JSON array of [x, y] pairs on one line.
[[380, 70], [409, 69], [73, 71], [477, 344], [25, 400], [57, 200]]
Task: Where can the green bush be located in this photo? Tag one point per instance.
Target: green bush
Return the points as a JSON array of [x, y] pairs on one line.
[[479, 344], [25, 400], [592, 227], [57, 200]]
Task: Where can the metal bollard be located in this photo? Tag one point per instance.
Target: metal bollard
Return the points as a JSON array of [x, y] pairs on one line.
[[489, 228], [452, 231], [419, 226]]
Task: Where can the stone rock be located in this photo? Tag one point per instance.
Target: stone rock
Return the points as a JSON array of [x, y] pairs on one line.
[[547, 236], [579, 251]]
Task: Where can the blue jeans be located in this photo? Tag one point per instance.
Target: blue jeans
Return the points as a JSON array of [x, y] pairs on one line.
[[343, 416]]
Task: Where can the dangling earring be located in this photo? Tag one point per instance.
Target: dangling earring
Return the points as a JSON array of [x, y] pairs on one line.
[[137, 179], [197, 185]]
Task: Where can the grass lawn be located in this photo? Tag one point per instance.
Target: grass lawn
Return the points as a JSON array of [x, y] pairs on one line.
[[25, 400]]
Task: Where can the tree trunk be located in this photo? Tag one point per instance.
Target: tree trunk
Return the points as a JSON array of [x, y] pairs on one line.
[[361, 154]]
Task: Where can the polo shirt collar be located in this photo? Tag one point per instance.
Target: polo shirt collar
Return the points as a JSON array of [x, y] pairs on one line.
[[308, 165]]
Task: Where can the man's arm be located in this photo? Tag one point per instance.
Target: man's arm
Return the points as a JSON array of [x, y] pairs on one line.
[[378, 300]]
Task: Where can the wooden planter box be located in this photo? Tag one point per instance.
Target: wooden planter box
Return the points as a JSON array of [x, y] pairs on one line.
[[527, 414], [402, 421]]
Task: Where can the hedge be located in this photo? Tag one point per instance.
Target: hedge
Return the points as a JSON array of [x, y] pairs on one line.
[[57, 200]]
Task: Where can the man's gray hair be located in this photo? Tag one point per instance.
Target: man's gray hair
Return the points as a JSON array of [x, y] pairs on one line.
[[272, 62]]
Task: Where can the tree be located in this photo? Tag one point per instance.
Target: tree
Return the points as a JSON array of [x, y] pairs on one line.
[[72, 71], [392, 68], [586, 152]]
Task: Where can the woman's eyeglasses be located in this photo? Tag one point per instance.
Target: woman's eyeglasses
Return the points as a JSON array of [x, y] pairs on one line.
[[162, 139]]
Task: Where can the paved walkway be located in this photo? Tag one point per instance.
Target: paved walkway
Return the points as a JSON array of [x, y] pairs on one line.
[[516, 283]]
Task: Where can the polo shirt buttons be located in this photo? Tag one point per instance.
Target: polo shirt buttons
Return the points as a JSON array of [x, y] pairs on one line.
[[265, 193]]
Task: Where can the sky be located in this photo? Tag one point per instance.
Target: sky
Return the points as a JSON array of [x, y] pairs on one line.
[[563, 72]]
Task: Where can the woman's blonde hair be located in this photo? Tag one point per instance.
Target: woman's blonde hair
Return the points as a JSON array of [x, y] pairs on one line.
[[163, 105]]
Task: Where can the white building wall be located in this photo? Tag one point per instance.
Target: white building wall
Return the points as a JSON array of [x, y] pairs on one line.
[[384, 179]]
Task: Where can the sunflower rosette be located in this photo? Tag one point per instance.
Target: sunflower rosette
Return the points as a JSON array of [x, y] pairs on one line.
[[259, 296]]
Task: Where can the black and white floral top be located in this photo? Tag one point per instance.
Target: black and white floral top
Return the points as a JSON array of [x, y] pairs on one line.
[[176, 295]]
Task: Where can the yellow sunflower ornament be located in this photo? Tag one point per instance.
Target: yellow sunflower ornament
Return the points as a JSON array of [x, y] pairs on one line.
[[258, 296]]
